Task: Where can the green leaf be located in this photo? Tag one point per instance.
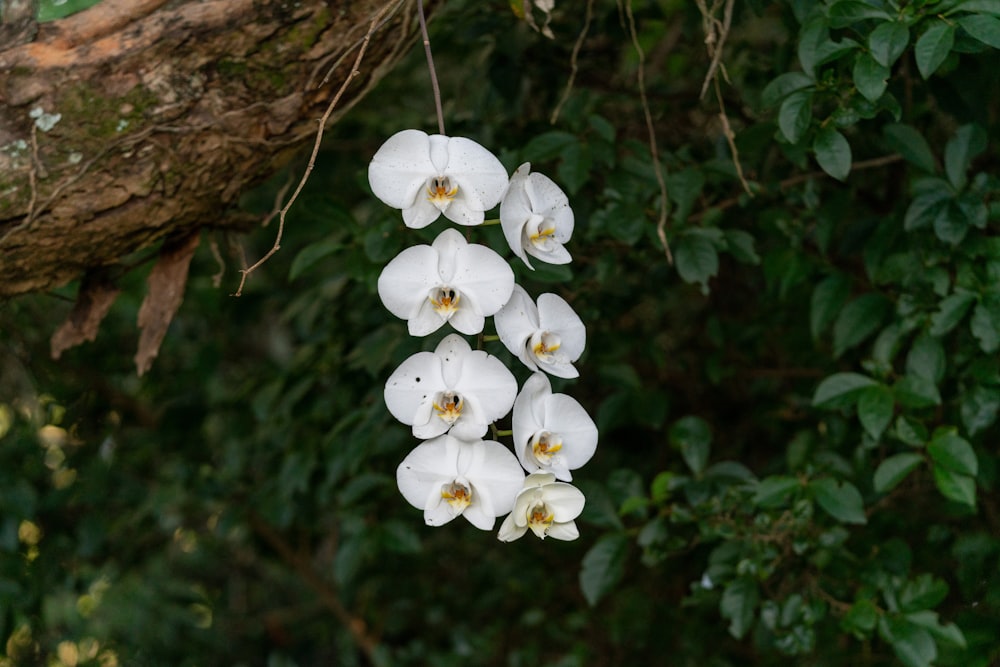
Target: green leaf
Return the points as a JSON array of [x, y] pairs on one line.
[[684, 188], [840, 390], [740, 245], [968, 142], [603, 566], [860, 619], [697, 259], [913, 391], [933, 47], [738, 603], [912, 644], [910, 431], [955, 486], [981, 6], [984, 328], [833, 153], [909, 143], [980, 407], [921, 593], [929, 619], [894, 470], [841, 500], [574, 166], [783, 86], [950, 312], [773, 491], [926, 358], [693, 437], [982, 27], [795, 115], [848, 12], [870, 77], [858, 320], [950, 450], [311, 254], [950, 224], [888, 41], [828, 298], [875, 409], [547, 146]]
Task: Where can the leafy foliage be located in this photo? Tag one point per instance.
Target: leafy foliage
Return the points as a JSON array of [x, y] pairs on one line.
[[798, 418]]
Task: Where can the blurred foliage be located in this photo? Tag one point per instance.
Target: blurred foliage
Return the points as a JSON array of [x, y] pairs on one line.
[[798, 456]]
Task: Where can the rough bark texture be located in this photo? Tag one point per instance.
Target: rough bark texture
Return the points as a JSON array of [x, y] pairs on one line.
[[139, 119]]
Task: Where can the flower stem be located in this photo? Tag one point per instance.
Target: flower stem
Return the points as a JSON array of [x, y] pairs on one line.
[[501, 434], [491, 221], [489, 338], [430, 65]]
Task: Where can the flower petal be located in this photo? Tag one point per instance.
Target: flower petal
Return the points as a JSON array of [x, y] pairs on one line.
[[425, 469], [406, 281], [487, 382], [509, 531], [496, 472], [447, 244], [554, 314], [525, 422], [484, 277], [480, 176], [565, 416], [453, 351], [515, 210], [400, 168], [549, 201], [564, 501], [515, 323], [563, 531], [414, 383], [421, 213], [463, 212], [426, 321]]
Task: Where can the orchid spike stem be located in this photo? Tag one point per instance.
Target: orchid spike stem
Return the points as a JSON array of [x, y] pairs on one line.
[[430, 66], [489, 338], [492, 221]]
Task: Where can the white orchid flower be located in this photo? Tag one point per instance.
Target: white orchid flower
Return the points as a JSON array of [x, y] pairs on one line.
[[446, 477], [454, 388], [430, 175], [450, 281], [536, 217], [548, 337], [552, 432], [545, 506]]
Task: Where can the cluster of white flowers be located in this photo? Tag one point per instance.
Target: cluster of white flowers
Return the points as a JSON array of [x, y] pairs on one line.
[[450, 397]]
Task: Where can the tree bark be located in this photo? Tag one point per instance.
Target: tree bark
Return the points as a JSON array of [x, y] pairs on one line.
[[139, 119]]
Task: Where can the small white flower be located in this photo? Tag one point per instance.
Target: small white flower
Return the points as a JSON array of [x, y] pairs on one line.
[[552, 432], [450, 281], [446, 477], [545, 506], [548, 337], [536, 217], [454, 388], [430, 175]]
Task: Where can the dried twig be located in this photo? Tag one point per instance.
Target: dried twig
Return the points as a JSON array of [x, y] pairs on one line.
[[430, 66], [323, 589], [661, 224], [574, 61], [716, 33], [315, 151]]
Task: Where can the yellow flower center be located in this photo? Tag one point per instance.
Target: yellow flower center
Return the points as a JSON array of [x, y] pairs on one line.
[[449, 407], [458, 495], [542, 236], [445, 301], [440, 191], [544, 345], [545, 445], [539, 519]]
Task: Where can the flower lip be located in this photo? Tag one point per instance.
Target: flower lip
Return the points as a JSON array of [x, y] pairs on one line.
[[549, 336]]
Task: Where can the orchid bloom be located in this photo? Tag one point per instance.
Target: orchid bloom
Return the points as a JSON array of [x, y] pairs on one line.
[[545, 506], [454, 388], [536, 217], [426, 176], [548, 337], [446, 477], [552, 432], [450, 281]]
